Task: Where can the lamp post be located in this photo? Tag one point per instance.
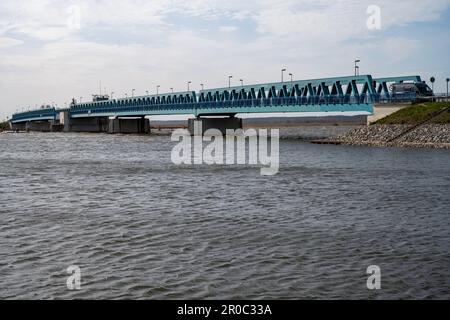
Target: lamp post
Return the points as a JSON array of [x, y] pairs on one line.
[[356, 67], [171, 89], [229, 81], [292, 76], [203, 86], [447, 87], [282, 74], [189, 85], [146, 91], [132, 93], [157, 89], [242, 82], [126, 95], [432, 80]]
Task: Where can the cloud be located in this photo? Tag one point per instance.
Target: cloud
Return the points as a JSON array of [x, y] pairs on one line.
[[6, 42], [397, 48], [227, 29]]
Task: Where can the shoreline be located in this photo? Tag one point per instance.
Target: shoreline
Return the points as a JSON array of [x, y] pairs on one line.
[[435, 136], [432, 136]]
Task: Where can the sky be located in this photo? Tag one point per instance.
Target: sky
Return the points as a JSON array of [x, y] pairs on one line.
[[53, 51]]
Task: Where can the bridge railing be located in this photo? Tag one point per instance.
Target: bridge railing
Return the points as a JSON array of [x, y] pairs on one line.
[[395, 98], [221, 106], [41, 113], [251, 103]]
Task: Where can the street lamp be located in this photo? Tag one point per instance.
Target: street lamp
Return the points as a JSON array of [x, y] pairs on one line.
[[447, 87], [146, 91], [432, 80], [291, 75], [188, 84], [229, 81], [356, 67], [242, 82], [157, 89], [126, 95], [171, 89], [132, 93], [282, 74], [203, 86]]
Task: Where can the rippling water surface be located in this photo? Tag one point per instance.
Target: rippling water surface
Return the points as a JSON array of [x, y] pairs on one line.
[[140, 227]]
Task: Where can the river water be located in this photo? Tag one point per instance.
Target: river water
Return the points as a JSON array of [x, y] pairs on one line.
[[140, 227]]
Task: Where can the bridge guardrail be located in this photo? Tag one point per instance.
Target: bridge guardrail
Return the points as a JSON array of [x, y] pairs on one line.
[[41, 113], [190, 107], [251, 103]]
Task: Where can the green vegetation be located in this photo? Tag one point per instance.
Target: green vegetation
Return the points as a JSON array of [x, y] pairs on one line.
[[418, 113], [4, 126]]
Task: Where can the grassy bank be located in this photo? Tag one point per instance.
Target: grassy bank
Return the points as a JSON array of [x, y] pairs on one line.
[[4, 126], [418, 113]]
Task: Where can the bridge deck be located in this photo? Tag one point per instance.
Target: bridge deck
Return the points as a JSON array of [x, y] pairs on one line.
[[318, 95]]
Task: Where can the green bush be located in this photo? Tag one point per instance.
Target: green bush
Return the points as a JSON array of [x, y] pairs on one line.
[[4, 126]]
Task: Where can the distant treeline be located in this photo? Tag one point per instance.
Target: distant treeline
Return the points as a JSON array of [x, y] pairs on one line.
[[4, 125]]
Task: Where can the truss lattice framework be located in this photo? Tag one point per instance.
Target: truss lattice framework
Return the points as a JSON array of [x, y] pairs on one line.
[[353, 90]]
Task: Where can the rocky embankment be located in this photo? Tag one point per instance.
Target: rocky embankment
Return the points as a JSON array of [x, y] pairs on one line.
[[425, 136]]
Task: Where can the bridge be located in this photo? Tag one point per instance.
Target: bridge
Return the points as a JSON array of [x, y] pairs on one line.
[[340, 94]]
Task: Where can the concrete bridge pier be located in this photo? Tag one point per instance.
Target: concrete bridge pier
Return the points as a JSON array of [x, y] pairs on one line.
[[199, 126], [91, 124], [94, 124], [21, 126], [42, 126], [129, 126]]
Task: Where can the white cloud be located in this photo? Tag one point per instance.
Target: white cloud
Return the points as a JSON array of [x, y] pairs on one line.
[[6, 42], [227, 29], [397, 48]]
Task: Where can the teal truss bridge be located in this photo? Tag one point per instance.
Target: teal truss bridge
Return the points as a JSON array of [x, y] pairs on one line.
[[340, 94]]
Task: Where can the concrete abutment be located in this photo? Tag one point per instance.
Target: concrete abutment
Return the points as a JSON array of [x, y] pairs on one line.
[[199, 126], [129, 126]]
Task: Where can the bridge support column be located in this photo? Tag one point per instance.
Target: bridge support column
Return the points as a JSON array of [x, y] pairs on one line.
[[128, 126], [94, 125], [42, 126], [200, 125], [64, 120], [22, 126], [91, 124]]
